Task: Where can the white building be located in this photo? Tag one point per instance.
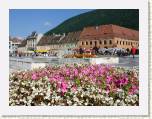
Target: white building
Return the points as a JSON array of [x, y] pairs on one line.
[[29, 44], [14, 43], [32, 41]]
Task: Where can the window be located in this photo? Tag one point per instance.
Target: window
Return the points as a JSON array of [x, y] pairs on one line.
[[95, 42], [90, 42], [82, 43], [110, 42], [105, 42], [123, 42], [100, 42], [86, 43], [126, 43], [120, 42], [117, 42]]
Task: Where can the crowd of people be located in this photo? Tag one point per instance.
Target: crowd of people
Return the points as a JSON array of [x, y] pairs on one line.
[[110, 51], [95, 50]]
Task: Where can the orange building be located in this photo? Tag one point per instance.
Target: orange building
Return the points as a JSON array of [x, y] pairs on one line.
[[108, 36]]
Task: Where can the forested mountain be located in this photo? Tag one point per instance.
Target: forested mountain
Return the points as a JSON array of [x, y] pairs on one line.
[[123, 17]]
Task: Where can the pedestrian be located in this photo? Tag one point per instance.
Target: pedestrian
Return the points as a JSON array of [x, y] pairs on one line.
[[133, 51], [95, 48], [81, 51]]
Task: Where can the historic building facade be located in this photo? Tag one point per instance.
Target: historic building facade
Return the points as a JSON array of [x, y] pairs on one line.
[[59, 42], [22, 47], [14, 44], [29, 44], [32, 41], [103, 36], [109, 36]]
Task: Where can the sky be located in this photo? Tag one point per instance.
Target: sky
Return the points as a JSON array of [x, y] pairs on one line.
[[23, 21]]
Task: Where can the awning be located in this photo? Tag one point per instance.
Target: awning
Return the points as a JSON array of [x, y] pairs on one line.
[[28, 52], [41, 51]]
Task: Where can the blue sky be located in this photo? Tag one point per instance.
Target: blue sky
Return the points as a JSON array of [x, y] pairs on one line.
[[23, 21]]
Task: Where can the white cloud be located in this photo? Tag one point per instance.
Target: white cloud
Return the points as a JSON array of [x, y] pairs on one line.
[[47, 24]]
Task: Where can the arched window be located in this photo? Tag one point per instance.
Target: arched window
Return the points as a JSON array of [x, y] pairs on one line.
[[123, 42], [86, 43], [90, 42], [100, 42], [95, 42], [105, 42], [117, 42], [120, 42], [82, 43], [110, 42]]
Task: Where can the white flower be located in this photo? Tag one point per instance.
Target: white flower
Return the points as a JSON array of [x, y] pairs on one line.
[[76, 99]]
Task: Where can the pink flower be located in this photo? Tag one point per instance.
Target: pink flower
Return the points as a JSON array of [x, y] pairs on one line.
[[64, 87], [74, 89], [124, 81], [100, 91], [67, 72], [34, 76], [75, 72], [109, 79]]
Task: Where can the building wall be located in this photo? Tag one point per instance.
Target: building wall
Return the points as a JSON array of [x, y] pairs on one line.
[[126, 43], [99, 43], [49, 47], [13, 46], [109, 43], [32, 42], [21, 49], [57, 46]]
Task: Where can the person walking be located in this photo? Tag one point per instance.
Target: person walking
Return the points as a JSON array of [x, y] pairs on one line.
[[133, 51], [95, 48], [81, 51]]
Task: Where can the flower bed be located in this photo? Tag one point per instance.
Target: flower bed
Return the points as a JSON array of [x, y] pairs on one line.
[[86, 85]]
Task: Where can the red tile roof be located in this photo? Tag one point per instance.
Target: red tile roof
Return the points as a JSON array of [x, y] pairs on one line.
[[15, 39], [71, 37], [108, 31], [23, 43]]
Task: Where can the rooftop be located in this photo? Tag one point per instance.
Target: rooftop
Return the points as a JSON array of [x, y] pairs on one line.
[[59, 39], [108, 31], [15, 39]]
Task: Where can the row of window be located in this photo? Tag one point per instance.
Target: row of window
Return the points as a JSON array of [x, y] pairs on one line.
[[108, 42], [105, 42], [126, 43], [63, 46]]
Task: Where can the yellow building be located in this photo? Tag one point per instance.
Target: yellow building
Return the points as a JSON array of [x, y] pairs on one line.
[[109, 36]]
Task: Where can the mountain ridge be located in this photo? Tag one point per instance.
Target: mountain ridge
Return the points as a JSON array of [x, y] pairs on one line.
[[128, 18]]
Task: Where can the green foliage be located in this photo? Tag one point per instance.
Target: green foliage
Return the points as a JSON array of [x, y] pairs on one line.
[[123, 17], [77, 81]]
